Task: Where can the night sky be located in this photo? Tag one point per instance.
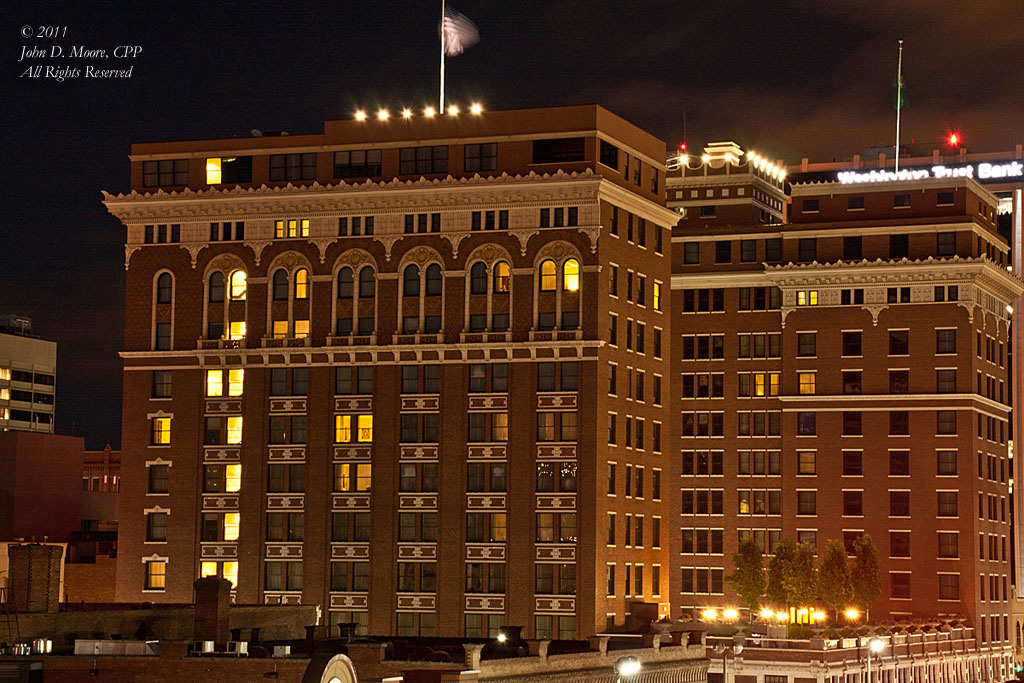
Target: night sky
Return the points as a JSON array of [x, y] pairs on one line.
[[791, 78]]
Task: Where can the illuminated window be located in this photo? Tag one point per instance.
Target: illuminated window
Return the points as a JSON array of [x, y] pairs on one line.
[[498, 528], [571, 275], [232, 477], [301, 329], [547, 276], [238, 285], [207, 569], [657, 296], [236, 379], [807, 297], [156, 575], [214, 382], [235, 430], [343, 477], [231, 573], [231, 520], [363, 476], [213, 174], [342, 429], [161, 431], [296, 228], [807, 381], [280, 329], [302, 284], [236, 330], [279, 229], [502, 278], [365, 428], [5, 394], [5, 373], [759, 388]]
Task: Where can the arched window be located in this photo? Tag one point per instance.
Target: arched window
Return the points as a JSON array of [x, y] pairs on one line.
[[571, 275], [548, 274], [164, 288], [411, 281], [502, 278], [434, 280], [478, 278], [216, 287], [238, 285], [367, 283], [345, 283], [280, 285], [302, 284]]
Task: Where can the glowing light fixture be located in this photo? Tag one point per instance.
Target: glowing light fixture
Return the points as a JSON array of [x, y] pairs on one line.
[[1009, 308], [818, 615], [382, 115], [453, 110], [502, 637], [428, 112], [851, 614], [876, 645], [476, 108], [709, 614], [766, 613], [731, 614], [407, 113], [953, 140], [781, 616], [627, 666], [705, 158], [360, 115]]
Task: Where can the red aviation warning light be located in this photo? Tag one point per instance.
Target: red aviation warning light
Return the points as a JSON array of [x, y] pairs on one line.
[[682, 146], [953, 140]]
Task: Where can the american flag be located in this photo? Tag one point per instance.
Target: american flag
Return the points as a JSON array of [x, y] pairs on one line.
[[457, 32]]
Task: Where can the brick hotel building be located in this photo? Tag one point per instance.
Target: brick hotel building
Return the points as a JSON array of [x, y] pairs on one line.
[[844, 370], [409, 369]]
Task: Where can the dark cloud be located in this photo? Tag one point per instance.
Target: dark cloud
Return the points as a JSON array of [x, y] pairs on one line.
[[791, 78]]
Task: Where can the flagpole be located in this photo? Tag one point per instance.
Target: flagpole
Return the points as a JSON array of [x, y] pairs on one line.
[[899, 98], [441, 107]]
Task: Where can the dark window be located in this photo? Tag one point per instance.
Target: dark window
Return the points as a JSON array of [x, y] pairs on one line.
[[853, 203], [806, 424], [481, 157], [899, 381], [899, 246], [945, 244], [851, 343], [434, 280], [852, 463], [899, 422], [899, 463], [852, 248], [852, 423], [899, 342], [806, 344], [748, 251], [708, 211], [945, 422], [723, 251], [810, 206], [293, 166], [423, 160], [161, 384], [558, 150], [901, 200], [853, 503], [899, 503], [691, 252], [945, 341], [808, 249], [609, 155], [899, 544], [773, 249], [944, 199], [946, 463], [357, 163], [900, 584], [164, 288], [165, 172]]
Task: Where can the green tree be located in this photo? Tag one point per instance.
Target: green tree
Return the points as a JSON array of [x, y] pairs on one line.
[[800, 576], [748, 577], [834, 578], [777, 589], [864, 578]]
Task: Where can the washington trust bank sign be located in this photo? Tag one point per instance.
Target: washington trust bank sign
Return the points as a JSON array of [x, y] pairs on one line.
[[984, 172]]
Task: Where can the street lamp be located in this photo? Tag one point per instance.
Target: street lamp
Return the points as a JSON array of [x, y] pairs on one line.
[[875, 646], [724, 650], [627, 667]]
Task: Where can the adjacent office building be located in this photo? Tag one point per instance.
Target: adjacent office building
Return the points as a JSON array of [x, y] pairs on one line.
[[410, 369], [842, 373], [28, 370]]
